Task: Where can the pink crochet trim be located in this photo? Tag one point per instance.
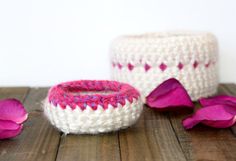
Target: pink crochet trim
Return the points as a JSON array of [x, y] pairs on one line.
[[72, 94], [162, 66]]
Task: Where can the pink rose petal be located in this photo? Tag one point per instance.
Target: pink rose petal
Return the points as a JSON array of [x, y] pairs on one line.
[[169, 95], [223, 99], [9, 129], [12, 109], [8, 125], [218, 116]]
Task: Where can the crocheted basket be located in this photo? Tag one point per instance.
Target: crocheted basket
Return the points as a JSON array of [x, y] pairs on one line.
[[92, 107], [146, 60]]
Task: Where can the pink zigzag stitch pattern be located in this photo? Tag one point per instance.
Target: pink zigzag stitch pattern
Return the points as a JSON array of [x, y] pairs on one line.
[[91, 93]]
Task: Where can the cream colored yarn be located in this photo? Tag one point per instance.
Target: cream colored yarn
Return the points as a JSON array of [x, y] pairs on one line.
[[89, 121], [197, 52]]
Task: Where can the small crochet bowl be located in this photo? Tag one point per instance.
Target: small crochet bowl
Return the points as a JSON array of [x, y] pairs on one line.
[[146, 60], [91, 107]]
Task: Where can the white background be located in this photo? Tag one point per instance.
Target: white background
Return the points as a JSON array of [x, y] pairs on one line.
[[43, 42]]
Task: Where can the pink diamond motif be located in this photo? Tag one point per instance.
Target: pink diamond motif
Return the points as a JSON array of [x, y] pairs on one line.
[[163, 67], [195, 64], [130, 66], [113, 64], [147, 67], [207, 65], [119, 66], [180, 66]]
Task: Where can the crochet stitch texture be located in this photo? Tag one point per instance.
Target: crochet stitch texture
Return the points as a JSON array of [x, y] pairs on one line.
[[91, 107], [147, 60]]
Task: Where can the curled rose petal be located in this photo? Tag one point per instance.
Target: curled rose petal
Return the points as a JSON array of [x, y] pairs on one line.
[[169, 95], [218, 116], [8, 125], [223, 99], [9, 129], [12, 109]]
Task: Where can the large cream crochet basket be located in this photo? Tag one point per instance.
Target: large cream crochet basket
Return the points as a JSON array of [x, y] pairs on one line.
[[146, 60]]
